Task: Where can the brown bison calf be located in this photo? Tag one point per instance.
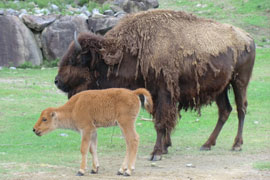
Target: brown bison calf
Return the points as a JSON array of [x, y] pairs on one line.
[[88, 110]]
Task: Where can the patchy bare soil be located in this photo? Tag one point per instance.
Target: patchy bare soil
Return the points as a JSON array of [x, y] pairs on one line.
[[207, 166]]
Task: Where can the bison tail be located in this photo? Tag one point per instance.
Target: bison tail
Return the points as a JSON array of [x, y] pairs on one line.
[[148, 102]]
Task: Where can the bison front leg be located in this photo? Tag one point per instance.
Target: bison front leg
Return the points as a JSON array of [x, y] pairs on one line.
[[86, 137], [165, 120]]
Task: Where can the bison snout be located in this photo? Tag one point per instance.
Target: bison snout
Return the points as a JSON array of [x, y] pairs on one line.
[[56, 80]]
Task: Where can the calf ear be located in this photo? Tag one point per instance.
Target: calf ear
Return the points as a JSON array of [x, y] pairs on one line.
[[53, 114]]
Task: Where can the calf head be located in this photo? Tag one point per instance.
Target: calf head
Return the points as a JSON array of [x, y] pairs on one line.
[[46, 123]]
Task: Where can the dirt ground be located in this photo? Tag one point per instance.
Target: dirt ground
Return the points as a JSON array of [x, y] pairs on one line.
[[175, 167]]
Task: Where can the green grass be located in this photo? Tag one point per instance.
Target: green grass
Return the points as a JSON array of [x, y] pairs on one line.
[[29, 6], [263, 165], [24, 93], [251, 15]]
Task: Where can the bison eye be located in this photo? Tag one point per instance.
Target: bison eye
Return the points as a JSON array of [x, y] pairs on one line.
[[44, 119]]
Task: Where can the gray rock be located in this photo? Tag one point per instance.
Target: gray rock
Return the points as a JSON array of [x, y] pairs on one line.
[[17, 43], [23, 11], [102, 25], [84, 8], [37, 36], [87, 13], [56, 38], [45, 11], [152, 3], [109, 12], [54, 7], [2, 12], [38, 23], [116, 8], [120, 14], [12, 12], [37, 11], [133, 6], [70, 8], [83, 16], [97, 14]]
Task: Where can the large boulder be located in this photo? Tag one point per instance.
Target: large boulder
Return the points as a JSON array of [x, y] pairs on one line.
[[102, 25], [56, 38], [38, 23], [17, 43]]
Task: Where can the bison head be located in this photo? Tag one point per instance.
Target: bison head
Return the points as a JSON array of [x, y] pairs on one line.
[[74, 70], [46, 123], [78, 69]]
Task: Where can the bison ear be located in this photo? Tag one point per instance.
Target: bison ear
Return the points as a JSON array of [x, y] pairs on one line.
[[112, 59]]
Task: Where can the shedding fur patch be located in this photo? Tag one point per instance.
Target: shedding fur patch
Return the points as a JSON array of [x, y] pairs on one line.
[[163, 39]]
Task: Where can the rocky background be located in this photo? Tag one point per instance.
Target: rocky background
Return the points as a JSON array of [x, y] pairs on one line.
[[45, 33]]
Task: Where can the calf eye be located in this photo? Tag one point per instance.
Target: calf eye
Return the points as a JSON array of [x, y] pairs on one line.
[[44, 119]]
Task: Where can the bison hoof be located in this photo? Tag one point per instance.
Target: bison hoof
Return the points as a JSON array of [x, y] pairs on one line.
[[79, 174], [237, 148], [205, 148], [156, 158], [165, 151]]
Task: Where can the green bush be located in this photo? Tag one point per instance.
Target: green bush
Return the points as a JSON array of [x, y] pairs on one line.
[[53, 63], [28, 64], [94, 5]]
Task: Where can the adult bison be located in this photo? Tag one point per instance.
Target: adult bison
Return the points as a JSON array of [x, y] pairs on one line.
[[184, 61]]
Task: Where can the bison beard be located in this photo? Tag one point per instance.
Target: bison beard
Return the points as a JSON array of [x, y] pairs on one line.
[[184, 61]]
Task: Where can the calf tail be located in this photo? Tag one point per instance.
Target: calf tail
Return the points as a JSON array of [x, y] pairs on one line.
[[148, 102]]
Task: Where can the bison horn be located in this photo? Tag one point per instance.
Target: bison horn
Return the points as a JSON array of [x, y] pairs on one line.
[[78, 47]]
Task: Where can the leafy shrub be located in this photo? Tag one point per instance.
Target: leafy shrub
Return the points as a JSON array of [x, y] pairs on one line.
[[52, 63], [28, 64]]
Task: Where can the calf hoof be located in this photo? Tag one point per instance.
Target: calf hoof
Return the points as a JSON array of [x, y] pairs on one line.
[[119, 173], [93, 172], [79, 174], [156, 158], [126, 174]]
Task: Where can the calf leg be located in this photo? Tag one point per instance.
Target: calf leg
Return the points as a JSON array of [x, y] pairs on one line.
[[123, 167], [86, 138], [93, 151], [132, 141], [224, 110]]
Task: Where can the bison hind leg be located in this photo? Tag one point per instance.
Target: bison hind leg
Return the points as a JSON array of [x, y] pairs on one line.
[[224, 110]]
